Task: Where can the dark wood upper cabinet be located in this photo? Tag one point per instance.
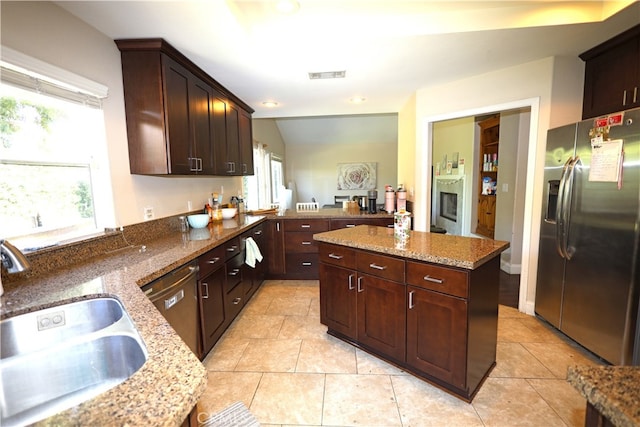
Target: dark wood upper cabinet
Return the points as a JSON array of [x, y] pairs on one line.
[[180, 121], [612, 75]]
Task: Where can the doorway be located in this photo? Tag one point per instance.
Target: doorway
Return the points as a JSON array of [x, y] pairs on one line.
[[460, 139]]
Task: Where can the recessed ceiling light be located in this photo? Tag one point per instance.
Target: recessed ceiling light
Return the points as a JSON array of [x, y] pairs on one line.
[[287, 6], [358, 99], [328, 75], [270, 104]]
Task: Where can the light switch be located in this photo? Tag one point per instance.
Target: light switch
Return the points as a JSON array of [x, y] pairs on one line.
[[505, 188]]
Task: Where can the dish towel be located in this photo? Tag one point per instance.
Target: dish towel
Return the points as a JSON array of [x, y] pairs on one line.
[[252, 252]]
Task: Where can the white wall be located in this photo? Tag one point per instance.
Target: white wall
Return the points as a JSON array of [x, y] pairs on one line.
[[313, 168], [46, 32], [526, 85]]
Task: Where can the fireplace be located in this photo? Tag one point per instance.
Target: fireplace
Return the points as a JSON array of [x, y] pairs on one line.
[[448, 206]]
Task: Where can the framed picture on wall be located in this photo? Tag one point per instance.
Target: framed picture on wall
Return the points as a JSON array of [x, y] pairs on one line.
[[357, 176]]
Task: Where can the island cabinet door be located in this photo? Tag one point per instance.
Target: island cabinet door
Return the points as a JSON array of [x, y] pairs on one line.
[[437, 335], [338, 299], [382, 316]]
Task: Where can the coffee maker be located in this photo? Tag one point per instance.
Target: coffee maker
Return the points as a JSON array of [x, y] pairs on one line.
[[372, 195]]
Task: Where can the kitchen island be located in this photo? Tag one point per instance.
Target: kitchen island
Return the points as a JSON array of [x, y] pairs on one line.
[[165, 390], [428, 304]]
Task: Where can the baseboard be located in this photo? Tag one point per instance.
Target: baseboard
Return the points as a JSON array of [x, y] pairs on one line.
[[510, 268]]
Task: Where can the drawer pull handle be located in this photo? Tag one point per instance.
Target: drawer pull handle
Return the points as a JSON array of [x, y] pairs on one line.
[[257, 233], [433, 279], [305, 226], [306, 243], [237, 301], [334, 256], [377, 267], [350, 225], [205, 290], [232, 248], [360, 288], [306, 263], [351, 282], [234, 272], [213, 260], [411, 303]]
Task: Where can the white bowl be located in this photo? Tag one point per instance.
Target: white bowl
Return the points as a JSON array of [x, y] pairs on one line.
[[228, 213], [198, 220]]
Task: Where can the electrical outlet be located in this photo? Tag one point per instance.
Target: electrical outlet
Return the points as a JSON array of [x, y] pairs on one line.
[[148, 213], [505, 188]]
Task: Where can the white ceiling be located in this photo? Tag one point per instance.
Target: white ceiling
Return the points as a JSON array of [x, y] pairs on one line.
[[389, 48]]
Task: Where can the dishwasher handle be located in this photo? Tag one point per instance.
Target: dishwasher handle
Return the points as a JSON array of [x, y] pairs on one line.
[[176, 282]]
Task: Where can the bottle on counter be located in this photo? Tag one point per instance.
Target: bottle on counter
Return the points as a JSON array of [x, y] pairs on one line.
[[389, 199], [401, 194]]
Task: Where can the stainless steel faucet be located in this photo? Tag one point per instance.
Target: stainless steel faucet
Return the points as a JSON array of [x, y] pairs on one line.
[[12, 259]]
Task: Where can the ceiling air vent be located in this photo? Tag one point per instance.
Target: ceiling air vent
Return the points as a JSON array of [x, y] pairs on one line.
[[328, 75]]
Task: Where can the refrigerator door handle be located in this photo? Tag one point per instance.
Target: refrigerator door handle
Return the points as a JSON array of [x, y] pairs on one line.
[[560, 209], [569, 251]]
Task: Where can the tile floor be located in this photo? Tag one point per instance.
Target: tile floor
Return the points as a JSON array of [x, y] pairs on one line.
[[279, 361]]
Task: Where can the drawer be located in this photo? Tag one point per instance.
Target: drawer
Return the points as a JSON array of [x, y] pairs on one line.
[[380, 265], [337, 255], [302, 265], [437, 278], [301, 242], [234, 272], [257, 233], [231, 248], [313, 225], [211, 261], [234, 302]]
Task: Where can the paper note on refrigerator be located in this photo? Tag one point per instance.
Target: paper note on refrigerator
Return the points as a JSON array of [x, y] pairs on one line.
[[606, 161]]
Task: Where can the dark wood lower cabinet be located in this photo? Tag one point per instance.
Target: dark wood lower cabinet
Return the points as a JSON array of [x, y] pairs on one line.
[[226, 283], [381, 316], [440, 323], [437, 335], [338, 299], [212, 308]]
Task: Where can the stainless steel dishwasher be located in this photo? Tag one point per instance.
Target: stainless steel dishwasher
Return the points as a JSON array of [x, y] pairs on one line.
[[175, 296]]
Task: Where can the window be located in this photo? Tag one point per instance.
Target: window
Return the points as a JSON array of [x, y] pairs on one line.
[[51, 135], [261, 189]]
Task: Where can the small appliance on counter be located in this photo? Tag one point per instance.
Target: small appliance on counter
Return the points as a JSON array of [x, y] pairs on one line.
[[372, 195]]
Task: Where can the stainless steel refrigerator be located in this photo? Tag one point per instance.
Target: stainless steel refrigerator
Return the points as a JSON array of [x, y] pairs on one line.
[[587, 282]]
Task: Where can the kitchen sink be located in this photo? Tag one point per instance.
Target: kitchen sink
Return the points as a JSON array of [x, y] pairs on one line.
[[56, 358]]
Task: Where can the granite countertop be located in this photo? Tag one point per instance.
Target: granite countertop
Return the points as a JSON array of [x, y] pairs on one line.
[[612, 390], [169, 384], [445, 249]]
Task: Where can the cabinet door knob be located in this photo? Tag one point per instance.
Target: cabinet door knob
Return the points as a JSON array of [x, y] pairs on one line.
[[351, 282], [205, 290]]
